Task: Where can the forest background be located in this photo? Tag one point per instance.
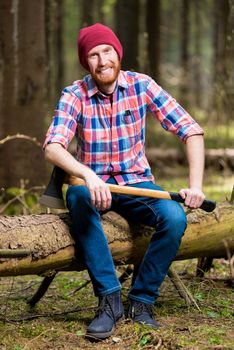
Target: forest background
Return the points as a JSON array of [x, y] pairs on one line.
[[187, 46]]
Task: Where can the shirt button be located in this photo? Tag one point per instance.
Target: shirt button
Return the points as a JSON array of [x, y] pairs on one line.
[[115, 146]]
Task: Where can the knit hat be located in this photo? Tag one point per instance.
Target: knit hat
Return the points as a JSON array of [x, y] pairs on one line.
[[94, 35]]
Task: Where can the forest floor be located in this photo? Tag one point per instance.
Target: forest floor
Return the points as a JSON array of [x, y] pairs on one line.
[[60, 319]]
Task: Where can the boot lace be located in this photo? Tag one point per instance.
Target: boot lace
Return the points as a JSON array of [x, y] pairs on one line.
[[105, 306], [140, 308]]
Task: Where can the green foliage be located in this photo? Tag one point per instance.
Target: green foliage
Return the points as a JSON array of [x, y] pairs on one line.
[[18, 200], [107, 6]]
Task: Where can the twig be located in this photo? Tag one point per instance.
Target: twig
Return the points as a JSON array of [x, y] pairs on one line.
[[7, 300], [230, 259], [32, 317], [45, 332], [159, 344], [14, 253], [181, 288], [25, 206], [35, 338], [232, 196], [20, 136], [126, 274], [42, 289], [79, 288], [19, 291]]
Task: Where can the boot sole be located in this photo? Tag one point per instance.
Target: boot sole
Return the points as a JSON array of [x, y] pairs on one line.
[[102, 336]]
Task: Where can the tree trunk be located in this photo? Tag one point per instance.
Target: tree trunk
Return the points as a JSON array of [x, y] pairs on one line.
[[218, 159], [198, 54], [54, 49], [87, 13], [52, 247], [127, 30], [184, 93], [153, 30], [23, 89], [220, 74]]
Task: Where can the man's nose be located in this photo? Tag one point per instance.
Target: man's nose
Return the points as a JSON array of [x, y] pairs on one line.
[[102, 60]]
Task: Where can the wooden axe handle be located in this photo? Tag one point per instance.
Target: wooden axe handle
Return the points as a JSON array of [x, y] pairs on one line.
[[207, 205]]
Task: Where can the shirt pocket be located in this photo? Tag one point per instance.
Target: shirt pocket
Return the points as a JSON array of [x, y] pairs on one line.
[[132, 125]]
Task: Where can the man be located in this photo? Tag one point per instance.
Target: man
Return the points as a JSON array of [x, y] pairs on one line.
[[106, 111]]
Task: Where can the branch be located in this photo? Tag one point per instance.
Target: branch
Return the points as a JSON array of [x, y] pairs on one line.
[[230, 259], [34, 316], [20, 136]]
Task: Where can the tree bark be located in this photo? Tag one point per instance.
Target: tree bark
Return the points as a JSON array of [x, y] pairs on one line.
[[23, 84], [184, 93], [127, 30], [153, 30], [87, 13], [221, 74], [198, 53], [52, 247], [54, 49]]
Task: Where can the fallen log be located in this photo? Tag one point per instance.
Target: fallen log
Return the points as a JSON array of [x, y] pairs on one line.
[[222, 158], [48, 238]]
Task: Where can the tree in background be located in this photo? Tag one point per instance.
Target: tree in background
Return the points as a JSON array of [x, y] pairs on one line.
[[184, 83], [24, 87], [153, 11], [28, 70], [223, 72], [54, 26], [127, 29], [185, 45], [198, 53]]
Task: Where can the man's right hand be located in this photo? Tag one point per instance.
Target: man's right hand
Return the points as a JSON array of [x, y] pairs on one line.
[[99, 192]]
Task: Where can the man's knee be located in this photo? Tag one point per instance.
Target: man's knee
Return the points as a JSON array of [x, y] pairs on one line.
[[174, 220]]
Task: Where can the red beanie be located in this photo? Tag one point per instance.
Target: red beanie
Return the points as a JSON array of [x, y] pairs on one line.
[[95, 35]]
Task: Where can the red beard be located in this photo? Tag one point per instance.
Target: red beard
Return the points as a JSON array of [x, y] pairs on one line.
[[102, 79]]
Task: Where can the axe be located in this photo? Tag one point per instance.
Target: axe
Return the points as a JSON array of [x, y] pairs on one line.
[[53, 196]]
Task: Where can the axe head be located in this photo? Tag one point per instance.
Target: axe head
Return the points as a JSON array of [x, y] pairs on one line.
[[53, 195]]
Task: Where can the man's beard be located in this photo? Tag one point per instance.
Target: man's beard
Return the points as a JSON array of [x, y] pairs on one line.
[[101, 79]]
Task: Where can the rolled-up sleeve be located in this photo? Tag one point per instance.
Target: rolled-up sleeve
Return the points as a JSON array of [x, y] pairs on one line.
[[64, 123], [172, 116]]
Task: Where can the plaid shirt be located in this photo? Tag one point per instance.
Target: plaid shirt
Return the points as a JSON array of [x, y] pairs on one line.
[[110, 131]]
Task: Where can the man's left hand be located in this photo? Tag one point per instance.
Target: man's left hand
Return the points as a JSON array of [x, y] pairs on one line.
[[193, 197]]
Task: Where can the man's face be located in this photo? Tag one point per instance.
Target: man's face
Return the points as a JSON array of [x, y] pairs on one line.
[[104, 65]]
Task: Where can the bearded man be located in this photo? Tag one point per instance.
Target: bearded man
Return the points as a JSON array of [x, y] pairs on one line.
[[106, 111]]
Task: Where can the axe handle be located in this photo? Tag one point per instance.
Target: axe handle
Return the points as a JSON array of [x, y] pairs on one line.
[[207, 205]]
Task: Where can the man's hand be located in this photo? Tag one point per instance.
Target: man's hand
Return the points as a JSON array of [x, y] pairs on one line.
[[193, 197], [99, 191]]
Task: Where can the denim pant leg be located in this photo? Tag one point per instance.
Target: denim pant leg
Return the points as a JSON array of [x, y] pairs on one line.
[[92, 245], [169, 219]]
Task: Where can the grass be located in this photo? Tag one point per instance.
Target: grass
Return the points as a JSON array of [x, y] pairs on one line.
[[59, 320]]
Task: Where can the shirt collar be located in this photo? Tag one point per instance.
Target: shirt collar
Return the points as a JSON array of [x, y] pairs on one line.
[[92, 88]]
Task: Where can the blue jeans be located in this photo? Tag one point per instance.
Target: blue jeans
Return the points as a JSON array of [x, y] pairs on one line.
[[166, 216]]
